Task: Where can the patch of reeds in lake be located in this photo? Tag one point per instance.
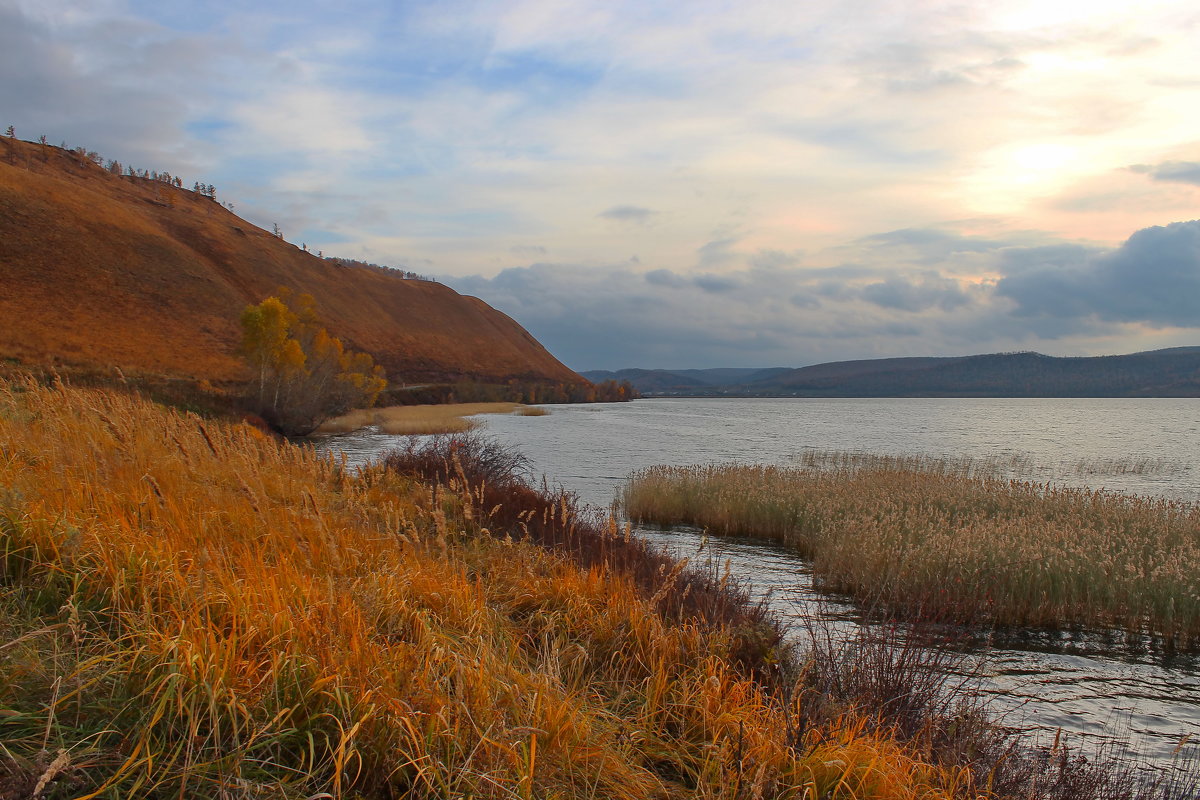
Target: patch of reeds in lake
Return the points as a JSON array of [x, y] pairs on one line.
[[946, 539], [424, 420]]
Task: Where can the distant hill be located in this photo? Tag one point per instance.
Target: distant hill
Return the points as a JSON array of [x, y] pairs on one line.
[[684, 381], [1174, 372], [100, 270]]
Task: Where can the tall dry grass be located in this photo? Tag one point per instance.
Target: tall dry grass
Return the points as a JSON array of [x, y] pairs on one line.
[[935, 537], [190, 609]]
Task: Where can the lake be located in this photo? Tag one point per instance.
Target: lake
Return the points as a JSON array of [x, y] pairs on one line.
[[1095, 686]]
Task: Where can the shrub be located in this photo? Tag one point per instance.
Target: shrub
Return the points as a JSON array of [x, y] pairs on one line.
[[302, 375]]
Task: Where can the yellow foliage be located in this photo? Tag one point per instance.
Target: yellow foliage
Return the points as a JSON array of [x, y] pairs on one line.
[[303, 374]]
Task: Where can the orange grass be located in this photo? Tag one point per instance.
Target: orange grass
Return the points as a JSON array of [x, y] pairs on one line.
[[938, 539], [191, 609]]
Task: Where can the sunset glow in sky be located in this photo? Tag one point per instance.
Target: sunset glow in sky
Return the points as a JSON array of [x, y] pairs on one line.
[[680, 184]]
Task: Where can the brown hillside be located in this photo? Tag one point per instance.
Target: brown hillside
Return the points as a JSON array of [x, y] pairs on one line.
[[98, 270]]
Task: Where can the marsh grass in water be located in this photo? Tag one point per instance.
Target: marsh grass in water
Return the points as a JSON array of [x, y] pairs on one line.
[[944, 539], [1007, 466], [424, 419]]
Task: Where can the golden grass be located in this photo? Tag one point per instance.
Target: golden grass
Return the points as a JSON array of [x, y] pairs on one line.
[[192, 609], [932, 536], [419, 420]]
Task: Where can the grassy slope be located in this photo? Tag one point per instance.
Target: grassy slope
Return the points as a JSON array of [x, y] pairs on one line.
[[192, 610], [102, 270]]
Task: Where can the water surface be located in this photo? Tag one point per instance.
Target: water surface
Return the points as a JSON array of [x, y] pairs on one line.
[[1095, 686]]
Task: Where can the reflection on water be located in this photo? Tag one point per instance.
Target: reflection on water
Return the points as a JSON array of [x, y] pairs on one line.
[[1095, 687]]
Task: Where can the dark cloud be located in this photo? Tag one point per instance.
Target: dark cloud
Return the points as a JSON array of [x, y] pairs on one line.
[[635, 214], [913, 296], [527, 250], [1153, 278], [716, 284], [1172, 171], [805, 301], [665, 277]]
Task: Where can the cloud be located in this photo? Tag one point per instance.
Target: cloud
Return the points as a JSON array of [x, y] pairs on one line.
[[1153, 278], [112, 85], [635, 214], [717, 252], [716, 284], [1059, 297], [913, 296], [1172, 171], [665, 277]]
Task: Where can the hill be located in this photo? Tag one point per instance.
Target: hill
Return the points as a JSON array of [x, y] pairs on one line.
[[1174, 372], [101, 269], [684, 381]]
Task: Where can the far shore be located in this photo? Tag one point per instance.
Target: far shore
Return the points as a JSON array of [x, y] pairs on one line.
[[426, 419]]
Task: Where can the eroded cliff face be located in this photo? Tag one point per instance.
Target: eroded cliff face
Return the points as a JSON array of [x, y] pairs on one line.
[[103, 270]]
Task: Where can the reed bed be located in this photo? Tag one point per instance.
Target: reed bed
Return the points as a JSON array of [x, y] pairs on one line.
[[935, 539], [421, 420], [191, 609], [1008, 466]]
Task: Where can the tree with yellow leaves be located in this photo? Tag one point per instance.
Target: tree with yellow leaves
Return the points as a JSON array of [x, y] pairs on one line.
[[302, 374]]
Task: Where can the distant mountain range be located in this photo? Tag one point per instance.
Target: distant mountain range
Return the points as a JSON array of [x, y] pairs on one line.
[[1174, 372]]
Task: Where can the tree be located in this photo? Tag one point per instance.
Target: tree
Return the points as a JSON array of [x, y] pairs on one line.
[[11, 132], [302, 374]]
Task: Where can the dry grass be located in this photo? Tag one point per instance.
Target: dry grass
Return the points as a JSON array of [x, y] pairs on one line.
[[933, 538], [1012, 465], [419, 420], [193, 610]]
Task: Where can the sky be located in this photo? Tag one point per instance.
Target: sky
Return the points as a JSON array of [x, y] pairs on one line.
[[680, 184]]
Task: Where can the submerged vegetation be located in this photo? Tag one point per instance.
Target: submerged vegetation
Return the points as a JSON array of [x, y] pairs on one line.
[[949, 540]]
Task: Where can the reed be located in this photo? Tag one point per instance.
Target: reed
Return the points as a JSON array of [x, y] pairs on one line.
[[944, 539], [424, 419], [191, 609]]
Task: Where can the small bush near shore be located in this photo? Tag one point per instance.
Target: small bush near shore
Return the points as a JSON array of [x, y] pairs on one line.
[[934, 539]]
